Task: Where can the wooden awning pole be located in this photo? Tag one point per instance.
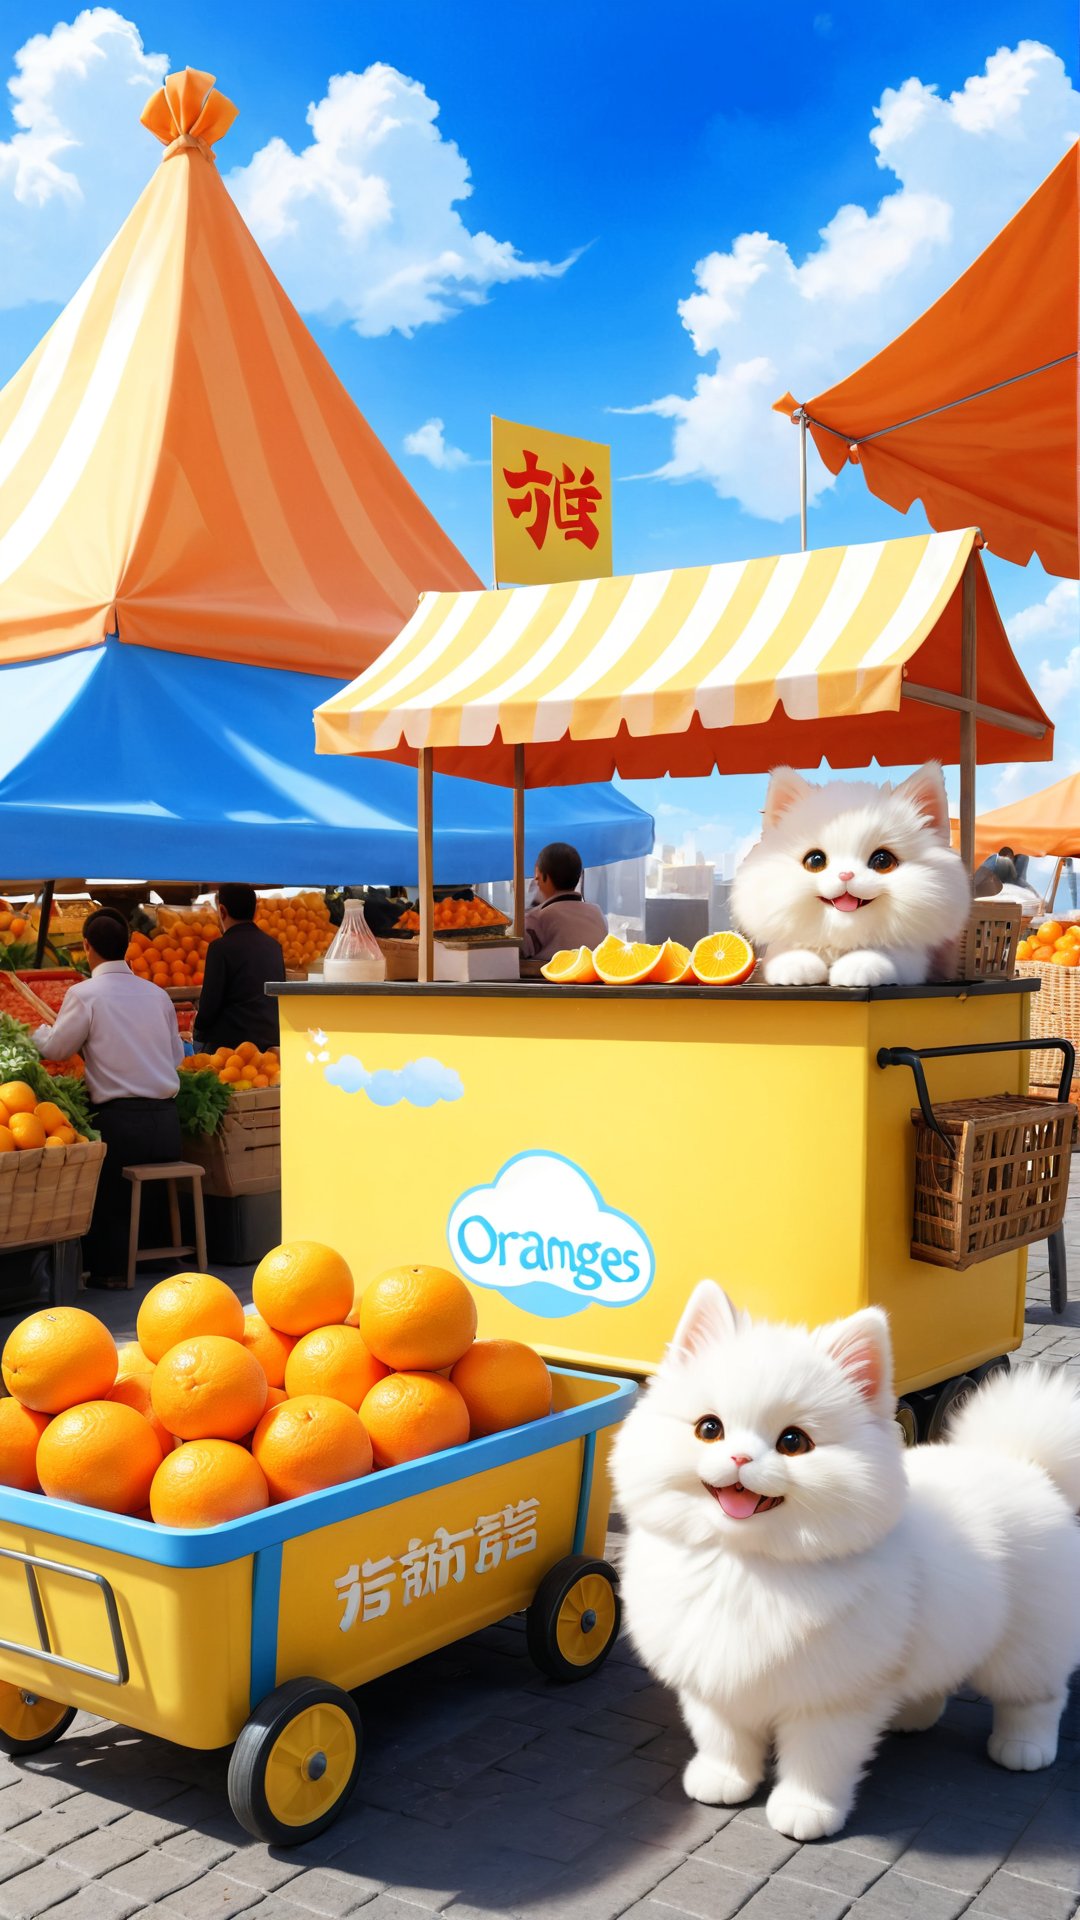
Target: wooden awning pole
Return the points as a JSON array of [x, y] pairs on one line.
[[425, 967], [968, 723], [519, 842], [44, 921]]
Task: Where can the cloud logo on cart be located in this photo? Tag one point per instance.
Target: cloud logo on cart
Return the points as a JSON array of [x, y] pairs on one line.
[[420, 1083], [543, 1236]]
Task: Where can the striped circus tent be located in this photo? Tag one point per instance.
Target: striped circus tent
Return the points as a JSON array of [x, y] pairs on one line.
[[848, 653], [180, 466]]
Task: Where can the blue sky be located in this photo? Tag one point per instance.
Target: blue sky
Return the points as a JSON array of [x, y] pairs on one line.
[[609, 149]]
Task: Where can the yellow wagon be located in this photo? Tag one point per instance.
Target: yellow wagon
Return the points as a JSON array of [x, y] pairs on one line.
[[258, 1632]]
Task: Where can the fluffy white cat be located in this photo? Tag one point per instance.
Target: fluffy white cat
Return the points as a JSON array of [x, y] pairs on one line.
[[804, 1583], [852, 883]]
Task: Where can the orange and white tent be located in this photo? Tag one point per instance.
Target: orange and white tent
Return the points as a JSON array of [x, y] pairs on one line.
[[1046, 823], [180, 466]]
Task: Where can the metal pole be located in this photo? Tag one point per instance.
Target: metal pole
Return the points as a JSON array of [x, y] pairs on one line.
[[426, 938], [519, 841], [494, 558], [800, 416], [968, 689], [43, 923]]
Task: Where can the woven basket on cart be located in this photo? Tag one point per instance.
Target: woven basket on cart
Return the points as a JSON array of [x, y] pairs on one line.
[[1055, 1012], [245, 1156], [1006, 1184], [47, 1193], [987, 947]]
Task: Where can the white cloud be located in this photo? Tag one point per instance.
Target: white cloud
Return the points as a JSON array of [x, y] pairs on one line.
[[363, 224], [429, 443], [1055, 618], [79, 158], [961, 167], [1054, 683]]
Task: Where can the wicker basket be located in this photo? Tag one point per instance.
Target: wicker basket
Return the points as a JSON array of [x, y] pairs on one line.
[[987, 947], [1006, 1185], [1055, 1014], [245, 1156], [48, 1194]]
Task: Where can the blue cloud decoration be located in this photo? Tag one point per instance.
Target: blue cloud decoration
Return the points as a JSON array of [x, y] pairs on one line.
[[419, 1083]]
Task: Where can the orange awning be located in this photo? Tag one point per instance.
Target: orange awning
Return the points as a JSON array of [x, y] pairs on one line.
[[1046, 823], [973, 410], [180, 464]]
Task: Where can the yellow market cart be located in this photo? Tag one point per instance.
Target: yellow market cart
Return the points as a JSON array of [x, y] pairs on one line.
[[583, 1155], [257, 1631]]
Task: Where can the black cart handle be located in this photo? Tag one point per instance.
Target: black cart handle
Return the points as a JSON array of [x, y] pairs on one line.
[[913, 1057]]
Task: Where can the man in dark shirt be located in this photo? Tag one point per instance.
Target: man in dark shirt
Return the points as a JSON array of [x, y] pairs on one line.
[[233, 1003]]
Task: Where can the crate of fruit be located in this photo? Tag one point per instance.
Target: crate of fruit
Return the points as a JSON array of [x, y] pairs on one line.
[[48, 1195], [244, 1156]]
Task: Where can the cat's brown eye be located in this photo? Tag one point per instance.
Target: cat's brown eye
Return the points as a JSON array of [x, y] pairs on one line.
[[815, 860], [882, 861], [793, 1440], [710, 1428]]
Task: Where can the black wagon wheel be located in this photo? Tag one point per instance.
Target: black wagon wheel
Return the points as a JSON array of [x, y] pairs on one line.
[[1002, 1364], [907, 1419], [950, 1397], [296, 1761], [573, 1621], [29, 1724]]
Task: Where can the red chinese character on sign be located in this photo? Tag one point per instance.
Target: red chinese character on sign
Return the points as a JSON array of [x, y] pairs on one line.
[[574, 502]]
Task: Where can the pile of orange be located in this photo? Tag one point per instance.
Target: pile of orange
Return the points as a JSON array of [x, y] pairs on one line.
[[1055, 944], [213, 1413], [14, 927], [27, 1122], [300, 924], [718, 960], [454, 916], [174, 956], [240, 1067]]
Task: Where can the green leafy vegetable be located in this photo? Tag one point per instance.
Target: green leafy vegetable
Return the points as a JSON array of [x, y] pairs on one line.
[[20, 1060], [201, 1103]]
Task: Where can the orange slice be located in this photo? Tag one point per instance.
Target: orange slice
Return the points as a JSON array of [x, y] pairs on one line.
[[722, 960], [673, 968], [620, 965], [573, 966]]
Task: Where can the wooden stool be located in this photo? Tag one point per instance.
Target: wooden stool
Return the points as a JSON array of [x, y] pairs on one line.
[[170, 1171]]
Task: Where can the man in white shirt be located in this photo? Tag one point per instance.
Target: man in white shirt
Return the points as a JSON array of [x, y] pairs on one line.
[[125, 1028]]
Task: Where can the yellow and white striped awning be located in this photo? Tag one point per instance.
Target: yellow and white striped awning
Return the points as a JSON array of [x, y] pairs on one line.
[[691, 668]]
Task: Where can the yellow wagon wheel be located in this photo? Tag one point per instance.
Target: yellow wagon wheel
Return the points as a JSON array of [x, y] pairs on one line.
[[296, 1762], [573, 1622], [27, 1722]]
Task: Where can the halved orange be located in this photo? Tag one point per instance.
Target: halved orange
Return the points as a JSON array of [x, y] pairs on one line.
[[573, 966], [620, 964], [673, 968], [723, 960]]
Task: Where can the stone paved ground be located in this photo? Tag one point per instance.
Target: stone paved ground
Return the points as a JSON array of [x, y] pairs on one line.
[[487, 1791]]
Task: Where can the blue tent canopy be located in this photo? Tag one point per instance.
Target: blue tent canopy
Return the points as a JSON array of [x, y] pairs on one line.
[[133, 763]]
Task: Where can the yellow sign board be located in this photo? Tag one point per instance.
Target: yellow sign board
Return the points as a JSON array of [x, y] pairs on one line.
[[551, 506]]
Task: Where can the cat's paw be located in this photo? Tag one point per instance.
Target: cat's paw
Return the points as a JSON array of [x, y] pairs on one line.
[[1019, 1755], [716, 1785], [866, 967], [798, 968], [801, 1817]]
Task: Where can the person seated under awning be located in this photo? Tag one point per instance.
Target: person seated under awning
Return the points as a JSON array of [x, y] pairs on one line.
[[562, 918]]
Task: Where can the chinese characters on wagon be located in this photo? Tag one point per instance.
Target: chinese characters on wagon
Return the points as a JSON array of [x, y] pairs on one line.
[[551, 505], [368, 1588]]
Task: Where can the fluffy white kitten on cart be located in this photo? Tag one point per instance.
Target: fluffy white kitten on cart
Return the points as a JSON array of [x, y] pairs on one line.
[[852, 883], [804, 1583]]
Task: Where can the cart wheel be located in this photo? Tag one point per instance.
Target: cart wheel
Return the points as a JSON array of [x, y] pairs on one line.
[[296, 1762], [574, 1618], [950, 1396], [28, 1723], [989, 1367], [908, 1422]]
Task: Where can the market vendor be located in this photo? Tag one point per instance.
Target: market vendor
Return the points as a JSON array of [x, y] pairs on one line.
[[125, 1028], [233, 1003], [562, 918]]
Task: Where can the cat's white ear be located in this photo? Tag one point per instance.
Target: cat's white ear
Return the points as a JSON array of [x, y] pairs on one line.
[[707, 1317], [784, 789], [862, 1345], [926, 790]]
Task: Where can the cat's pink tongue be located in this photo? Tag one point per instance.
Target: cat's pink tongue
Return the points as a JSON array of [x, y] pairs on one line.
[[738, 1502], [846, 902]]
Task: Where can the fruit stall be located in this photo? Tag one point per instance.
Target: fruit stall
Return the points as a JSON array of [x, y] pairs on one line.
[[584, 1151]]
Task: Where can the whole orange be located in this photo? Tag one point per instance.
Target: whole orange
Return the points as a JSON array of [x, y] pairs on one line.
[[184, 1306], [271, 1348], [133, 1390], [50, 1115], [7, 1140], [28, 1131], [418, 1318], [302, 1285], [410, 1414], [131, 1359], [309, 1443], [503, 1383], [334, 1361], [208, 1388], [17, 1097], [57, 1357], [20, 1431], [100, 1454], [206, 1483]]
